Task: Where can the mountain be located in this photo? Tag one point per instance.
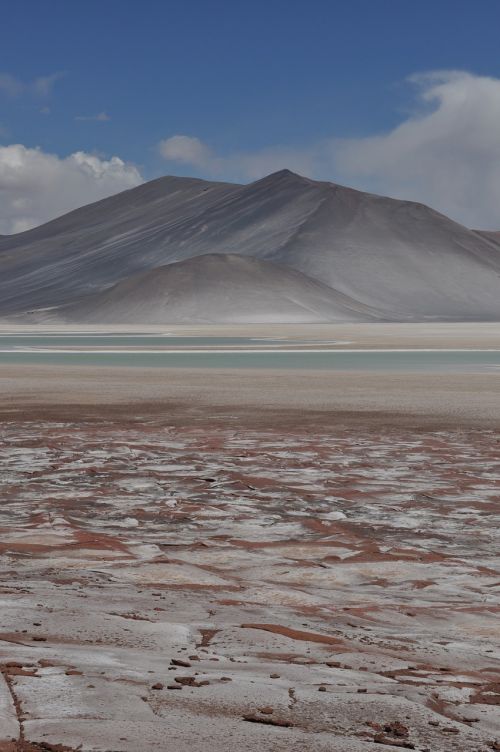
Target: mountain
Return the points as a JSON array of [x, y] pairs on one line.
[[99, 244], [217, 288], [398, 258], [491, 235]]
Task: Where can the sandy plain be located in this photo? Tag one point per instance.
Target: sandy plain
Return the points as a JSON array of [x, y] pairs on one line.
[[274, 560]]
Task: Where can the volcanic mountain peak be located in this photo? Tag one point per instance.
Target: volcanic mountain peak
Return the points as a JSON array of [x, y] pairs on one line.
[[284, 176], [398, 257]]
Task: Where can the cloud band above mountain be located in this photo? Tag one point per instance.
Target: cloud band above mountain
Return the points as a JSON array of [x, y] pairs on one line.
[[445, 154]]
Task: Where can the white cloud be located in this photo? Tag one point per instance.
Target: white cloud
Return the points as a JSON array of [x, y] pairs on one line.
[[446, 154], [189, 150], [40, 87], [36, 186], [101, 117]]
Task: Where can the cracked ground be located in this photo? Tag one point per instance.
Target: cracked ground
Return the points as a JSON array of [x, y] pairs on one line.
[[182, 587]]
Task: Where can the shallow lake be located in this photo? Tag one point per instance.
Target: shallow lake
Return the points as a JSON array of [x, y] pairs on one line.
[[230, 352]]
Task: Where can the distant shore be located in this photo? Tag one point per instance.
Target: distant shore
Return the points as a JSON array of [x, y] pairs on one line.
[[255, 397], [428, 335]]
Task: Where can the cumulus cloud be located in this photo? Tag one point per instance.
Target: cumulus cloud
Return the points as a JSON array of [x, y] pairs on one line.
[[39, 87], [445, 154], [101, 117], [36, 186]]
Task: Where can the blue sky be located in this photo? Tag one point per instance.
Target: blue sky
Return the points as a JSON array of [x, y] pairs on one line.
[[252, 83]]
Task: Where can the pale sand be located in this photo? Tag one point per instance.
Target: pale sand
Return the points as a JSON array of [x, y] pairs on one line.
[[256, 397]]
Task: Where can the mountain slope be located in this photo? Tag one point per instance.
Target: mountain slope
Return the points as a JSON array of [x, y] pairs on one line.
[[490, 235], [399, 255], [217, 288], [96, 245], [396, 256]]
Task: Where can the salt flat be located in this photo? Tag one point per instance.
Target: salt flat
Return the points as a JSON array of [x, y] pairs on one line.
[[336, 587], [309, 558]]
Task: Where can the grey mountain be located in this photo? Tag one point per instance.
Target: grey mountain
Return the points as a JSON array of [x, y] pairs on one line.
[[399, 258], [217, 288], [491, 235]]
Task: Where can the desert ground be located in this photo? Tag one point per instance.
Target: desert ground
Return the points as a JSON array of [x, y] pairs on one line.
[[267, 560]]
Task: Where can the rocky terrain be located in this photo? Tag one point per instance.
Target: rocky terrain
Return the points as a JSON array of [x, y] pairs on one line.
[[327, 589], [320, 252]]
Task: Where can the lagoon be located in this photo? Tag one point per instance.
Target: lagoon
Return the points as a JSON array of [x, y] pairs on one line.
[[165, 351]]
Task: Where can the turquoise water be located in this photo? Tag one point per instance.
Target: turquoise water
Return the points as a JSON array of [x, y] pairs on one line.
[[12, 351]]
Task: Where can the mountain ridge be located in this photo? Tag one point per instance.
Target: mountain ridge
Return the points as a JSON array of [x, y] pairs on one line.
[[398, 257]]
